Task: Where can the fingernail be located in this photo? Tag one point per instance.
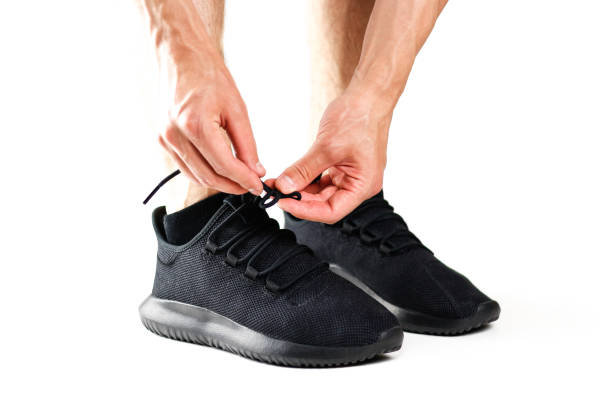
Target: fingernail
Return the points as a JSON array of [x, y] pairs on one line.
[[252, 191], [260, 167], [286, 182]]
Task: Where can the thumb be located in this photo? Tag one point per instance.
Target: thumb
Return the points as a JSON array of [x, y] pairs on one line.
[[299, 175]]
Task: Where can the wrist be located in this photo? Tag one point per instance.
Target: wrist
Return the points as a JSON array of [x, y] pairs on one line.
[[369, 96], [379, 82]]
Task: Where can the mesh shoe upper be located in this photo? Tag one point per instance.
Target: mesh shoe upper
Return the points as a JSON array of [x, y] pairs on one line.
[[240, 265], [374, 244]]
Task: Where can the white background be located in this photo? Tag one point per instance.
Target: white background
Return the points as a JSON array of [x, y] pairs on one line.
[[499, 159]]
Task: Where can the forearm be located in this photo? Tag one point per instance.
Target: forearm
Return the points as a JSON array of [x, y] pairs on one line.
[[396, 32], [206, 117], [178, 31]]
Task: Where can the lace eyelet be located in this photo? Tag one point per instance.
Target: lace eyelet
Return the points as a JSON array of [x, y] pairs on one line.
[[251, 272], [272, 287], [385, 248], [368, 237], [349, 227], [211, 247], [231, 259]]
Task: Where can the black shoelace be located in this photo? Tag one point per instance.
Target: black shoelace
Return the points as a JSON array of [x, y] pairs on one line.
[[397, 237], [263, 226], [271, 196]]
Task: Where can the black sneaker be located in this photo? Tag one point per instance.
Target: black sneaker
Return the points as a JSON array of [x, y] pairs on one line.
[[238, 282], [373, 248]]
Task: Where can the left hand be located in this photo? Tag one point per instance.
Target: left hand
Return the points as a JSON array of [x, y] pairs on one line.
[[350, 150]]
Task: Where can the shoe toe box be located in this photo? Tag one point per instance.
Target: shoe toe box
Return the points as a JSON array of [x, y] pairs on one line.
[[342, 315], [461, 297]]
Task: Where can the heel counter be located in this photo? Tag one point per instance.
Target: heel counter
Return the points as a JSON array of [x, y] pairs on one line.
[[164, 255]]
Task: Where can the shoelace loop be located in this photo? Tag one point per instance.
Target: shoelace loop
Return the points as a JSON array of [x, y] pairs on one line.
[[273, 235], [385, 211], [271, 196]]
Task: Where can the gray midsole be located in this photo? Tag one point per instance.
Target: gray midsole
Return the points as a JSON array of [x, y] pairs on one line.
[[216, 330]]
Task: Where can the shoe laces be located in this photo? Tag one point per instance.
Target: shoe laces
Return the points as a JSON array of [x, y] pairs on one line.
[[268, 235], [271, 195], [243, 229], [377, 212]]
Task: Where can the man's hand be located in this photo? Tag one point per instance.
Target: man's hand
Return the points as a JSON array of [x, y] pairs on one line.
[[351, 148], [206, 115], [204, 104], [352, 140]]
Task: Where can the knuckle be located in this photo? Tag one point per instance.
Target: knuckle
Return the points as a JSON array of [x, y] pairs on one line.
[[182, 154], [214, 181], [171, 137], [205, 179], [190, 123], [220, 169], [203, 176], [238, 107], [301, 171]]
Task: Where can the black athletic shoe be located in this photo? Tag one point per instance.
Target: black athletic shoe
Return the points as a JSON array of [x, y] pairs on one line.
[[373, 248], [237, 282]]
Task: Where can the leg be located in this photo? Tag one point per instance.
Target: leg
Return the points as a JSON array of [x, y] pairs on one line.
[[424, 294], [184, 193], [337, 28]]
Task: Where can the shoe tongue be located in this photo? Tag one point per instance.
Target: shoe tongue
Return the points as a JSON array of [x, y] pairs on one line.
[[251, 213], [231, 204], [236, 201]]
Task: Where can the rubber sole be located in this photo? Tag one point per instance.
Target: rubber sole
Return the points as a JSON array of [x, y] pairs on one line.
[[193, 324], [422, 323]]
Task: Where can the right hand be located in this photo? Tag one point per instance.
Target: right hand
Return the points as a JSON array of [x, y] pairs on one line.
[[204, 110]]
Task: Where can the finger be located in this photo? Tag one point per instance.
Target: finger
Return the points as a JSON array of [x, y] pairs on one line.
[[241, 135], [197, 165], [322, 194], [303, 171], [219, 155], [339, 204], [270, 182], [319, 191], [178, 161]]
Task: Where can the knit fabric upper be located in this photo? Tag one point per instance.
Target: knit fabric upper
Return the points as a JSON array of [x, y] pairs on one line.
[[300, 301], [375, 245]]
